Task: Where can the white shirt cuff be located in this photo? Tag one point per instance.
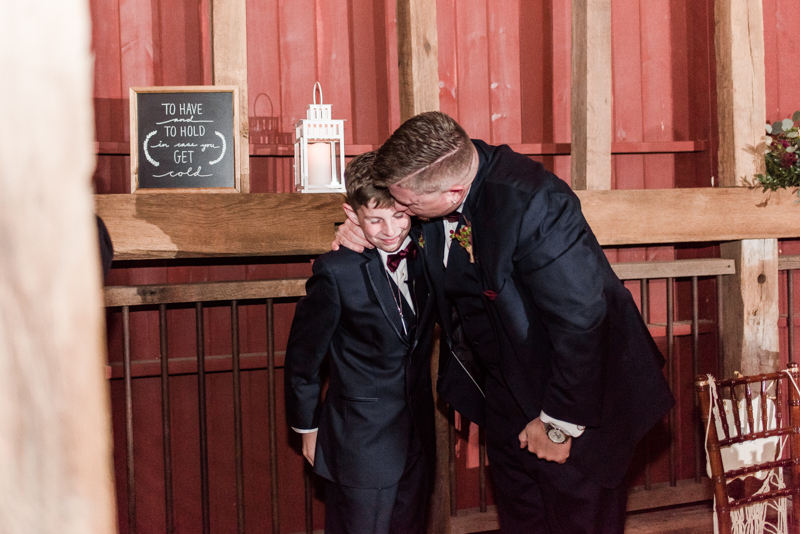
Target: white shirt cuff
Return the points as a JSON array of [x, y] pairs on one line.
[[304, 431], [568, 428]]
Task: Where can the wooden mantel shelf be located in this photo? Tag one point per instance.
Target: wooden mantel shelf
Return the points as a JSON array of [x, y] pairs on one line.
[[186, 225]]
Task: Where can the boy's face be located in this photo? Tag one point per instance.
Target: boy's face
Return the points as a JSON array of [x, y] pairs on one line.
[[386, 228]]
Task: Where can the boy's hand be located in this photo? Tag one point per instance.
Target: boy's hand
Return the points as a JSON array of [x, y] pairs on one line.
[[534, 438], [350, 236], [310, 446]]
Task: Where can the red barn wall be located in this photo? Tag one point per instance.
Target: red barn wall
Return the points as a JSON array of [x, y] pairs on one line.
[[504, 69]]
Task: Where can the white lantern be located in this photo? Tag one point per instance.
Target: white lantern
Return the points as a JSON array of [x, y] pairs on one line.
[[319, 150]]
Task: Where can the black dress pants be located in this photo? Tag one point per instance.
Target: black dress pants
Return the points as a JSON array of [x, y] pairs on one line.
[[398, 509]]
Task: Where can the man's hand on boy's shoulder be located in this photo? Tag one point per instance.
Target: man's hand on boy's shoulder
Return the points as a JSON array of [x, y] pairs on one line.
[[350, 236], [309, 446]]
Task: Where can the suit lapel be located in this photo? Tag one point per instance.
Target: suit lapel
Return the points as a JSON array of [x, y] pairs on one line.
[[376, 274]]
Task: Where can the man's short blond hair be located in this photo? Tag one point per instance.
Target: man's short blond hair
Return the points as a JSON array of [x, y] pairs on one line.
[[425, 154]]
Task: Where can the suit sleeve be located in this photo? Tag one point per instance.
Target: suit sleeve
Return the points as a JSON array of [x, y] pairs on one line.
[[556, 260], [315, 321]]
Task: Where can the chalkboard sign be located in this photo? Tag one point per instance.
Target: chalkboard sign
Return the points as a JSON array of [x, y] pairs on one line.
[[184, 138]]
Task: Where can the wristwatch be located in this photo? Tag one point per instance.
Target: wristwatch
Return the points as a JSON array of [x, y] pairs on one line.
[[555, 434]]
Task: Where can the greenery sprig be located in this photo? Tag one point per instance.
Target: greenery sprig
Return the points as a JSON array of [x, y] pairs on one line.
[[781, 155]]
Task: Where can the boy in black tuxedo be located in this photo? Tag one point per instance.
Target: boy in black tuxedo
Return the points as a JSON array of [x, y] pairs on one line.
[[372, 437]]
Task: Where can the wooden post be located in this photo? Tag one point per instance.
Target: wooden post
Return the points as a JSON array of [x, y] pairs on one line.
[[751, 310], [418, 57], [591, 94], [55, 422], [229, 65], [418, 60]]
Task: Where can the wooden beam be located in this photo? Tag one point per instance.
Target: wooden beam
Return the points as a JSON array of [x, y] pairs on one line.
[[651, 216], [750, 320], [172, 225], [190, 225], [229, 66], [751, 301], [55, 422], [673, 269], [204, 292], [418, 57], [591, 95]]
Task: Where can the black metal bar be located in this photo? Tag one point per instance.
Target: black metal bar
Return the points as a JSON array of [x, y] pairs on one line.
[[165, 419], [451, 447], [720, 333], [644, 293], [126, 365], [309, 501], [201, 408], [699, 460], [790, 313], [237, 415], [273, 432], [482, 468], [673, 420]]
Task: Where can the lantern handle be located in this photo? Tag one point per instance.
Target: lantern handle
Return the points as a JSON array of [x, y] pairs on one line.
[[315, 93]]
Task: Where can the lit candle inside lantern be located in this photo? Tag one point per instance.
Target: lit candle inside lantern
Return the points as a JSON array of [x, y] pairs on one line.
[[319, 163]]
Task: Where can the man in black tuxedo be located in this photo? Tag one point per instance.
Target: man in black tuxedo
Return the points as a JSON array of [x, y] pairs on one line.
[[544, 344], [372, 438]]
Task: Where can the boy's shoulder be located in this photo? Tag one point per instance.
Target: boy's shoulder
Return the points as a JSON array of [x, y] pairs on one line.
[[336, 260]]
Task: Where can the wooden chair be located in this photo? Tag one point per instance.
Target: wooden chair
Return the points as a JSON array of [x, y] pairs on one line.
[[746, 428]]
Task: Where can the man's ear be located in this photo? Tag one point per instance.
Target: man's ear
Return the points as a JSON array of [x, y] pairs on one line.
[[456, 193], [351, 213]]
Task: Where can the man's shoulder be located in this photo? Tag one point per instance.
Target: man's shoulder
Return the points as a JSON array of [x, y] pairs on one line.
[[515, 173]]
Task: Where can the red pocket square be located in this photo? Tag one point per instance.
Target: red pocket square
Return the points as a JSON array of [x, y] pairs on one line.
[[491, 295]]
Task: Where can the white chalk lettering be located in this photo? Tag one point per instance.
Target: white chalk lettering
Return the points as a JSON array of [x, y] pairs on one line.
[[188, 172], [169, 108], [178, 119], [183, 156]]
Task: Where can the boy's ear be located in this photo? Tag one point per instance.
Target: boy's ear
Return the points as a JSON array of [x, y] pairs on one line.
[[351, 213]]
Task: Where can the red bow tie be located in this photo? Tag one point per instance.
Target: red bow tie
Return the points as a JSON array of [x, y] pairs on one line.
[[453, 217], [393, 260]]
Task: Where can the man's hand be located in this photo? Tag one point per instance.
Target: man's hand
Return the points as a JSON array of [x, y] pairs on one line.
[[310, 446], [351, 236], [534, 438]]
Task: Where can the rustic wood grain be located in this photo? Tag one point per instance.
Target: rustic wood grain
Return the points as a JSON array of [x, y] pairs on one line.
[[204, 292], [229, 67], [751, 300], [591, 94], [183, 225], [55, 420], [418, 56]]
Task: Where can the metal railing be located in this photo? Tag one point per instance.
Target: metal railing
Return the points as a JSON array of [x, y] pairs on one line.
[[652, 494]]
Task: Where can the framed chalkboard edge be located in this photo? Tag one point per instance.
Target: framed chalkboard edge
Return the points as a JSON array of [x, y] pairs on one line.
[[134, 135]]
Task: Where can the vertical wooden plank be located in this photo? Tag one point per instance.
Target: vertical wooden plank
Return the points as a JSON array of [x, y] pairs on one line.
[[417, 51], [751, 307], [229, 66], [751, 297], [366, 46], [107, 73], [504, 71], [591, 94], [561, 81], [392, 63], [472, 48], [55, 455], [333, 60], [448, 56]]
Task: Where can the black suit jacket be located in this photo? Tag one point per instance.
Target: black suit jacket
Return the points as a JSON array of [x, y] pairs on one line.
[[571, 339], [380, 381]]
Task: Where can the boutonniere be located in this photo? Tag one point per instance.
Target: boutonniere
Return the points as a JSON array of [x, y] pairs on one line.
[[421, 241], [491, 295], [464, 238]]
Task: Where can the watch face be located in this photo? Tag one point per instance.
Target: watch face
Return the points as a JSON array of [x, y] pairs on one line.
[[556, 435]]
